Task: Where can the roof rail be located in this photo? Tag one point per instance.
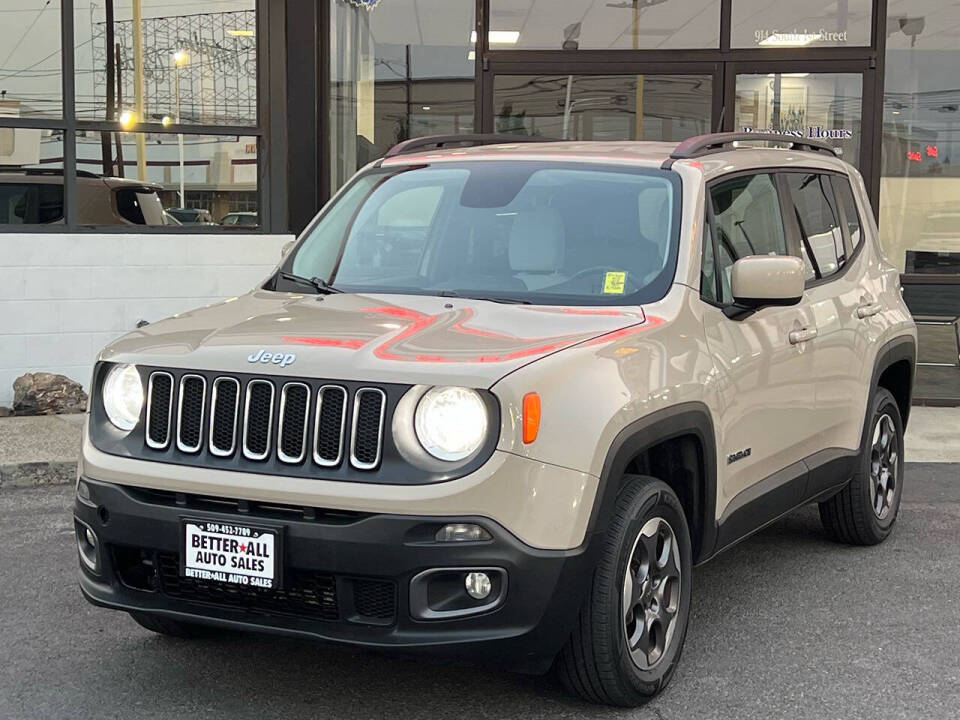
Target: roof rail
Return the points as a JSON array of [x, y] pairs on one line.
[[55, 172], [440, 142], [706, 144]]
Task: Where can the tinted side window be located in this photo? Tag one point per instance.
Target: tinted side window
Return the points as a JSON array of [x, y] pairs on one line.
[[747, 221], [30, 204], [849, 206], [140, 207], [821, 239]]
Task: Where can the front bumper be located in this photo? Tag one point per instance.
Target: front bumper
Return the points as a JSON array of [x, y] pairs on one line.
[[347, 576]]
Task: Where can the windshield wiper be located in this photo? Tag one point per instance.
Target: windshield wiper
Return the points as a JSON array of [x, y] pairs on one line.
[[321, 286], [502, 300]]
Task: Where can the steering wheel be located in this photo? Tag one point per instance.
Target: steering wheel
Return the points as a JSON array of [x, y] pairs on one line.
[[628, 281]]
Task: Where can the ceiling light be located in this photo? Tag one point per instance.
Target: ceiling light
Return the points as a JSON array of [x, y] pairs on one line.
[[789, 39], [240, 33], [789, 75], [498, 37]]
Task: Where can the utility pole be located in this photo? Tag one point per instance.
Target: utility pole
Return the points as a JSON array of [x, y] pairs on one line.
[[138, 87]]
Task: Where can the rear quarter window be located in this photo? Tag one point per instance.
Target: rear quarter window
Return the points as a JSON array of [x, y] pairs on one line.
[[30, 203]]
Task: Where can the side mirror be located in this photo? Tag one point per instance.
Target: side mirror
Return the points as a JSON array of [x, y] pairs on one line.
[[761, 280], [286, 248]]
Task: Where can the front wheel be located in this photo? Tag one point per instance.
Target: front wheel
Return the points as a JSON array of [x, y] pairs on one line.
[[631, 629], [863, 513]]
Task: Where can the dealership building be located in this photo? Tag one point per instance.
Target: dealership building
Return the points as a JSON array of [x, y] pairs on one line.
[[256, 111]]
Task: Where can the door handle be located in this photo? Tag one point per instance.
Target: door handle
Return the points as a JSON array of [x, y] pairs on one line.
[[868, 310], [798, 336]]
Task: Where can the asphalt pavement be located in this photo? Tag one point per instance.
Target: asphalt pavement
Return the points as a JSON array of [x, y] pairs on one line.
[[785, 625]]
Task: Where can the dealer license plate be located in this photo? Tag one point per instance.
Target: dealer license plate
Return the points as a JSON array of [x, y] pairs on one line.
[[228, 553]]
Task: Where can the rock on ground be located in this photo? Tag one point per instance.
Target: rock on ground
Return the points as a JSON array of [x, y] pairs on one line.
[[43, 393]]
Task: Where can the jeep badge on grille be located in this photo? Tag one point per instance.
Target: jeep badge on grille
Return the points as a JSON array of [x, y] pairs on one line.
[[281, 359]]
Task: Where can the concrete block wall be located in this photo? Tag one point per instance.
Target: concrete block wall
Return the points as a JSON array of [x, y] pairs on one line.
[[63, 297]]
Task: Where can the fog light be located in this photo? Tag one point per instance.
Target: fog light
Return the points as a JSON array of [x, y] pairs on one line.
[[83, 490], [87, 547], [478, 585], [91, 538], [462, 532]]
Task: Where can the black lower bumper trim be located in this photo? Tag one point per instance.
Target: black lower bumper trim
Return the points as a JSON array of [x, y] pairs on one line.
[[346, 578]]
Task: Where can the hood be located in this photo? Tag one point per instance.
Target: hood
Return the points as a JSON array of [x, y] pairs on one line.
[[410, 339]]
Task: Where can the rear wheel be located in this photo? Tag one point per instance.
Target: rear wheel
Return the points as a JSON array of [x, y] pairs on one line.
[[631, 629], [864, 512], [167, 626]]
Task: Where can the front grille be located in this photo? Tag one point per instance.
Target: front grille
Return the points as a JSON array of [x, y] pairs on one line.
[[190, 413], [294, 404], [258, 419], [242, 422], [329, 425], [305, 594], [160, 390], [367, 428], [225, 401]]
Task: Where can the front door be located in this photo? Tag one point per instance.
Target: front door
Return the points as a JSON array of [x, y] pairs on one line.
[[764, 362]]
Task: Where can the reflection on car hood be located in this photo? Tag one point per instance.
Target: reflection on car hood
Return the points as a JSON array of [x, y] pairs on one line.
[[383, 338]]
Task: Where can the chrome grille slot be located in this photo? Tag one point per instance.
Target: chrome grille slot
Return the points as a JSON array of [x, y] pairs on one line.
[[366, 433], [329, 425], [159, 409], [224, 410], [292, 431], [190, 412], [258, 419]]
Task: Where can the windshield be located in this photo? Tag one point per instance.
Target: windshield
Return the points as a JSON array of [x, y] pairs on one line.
[[546, 233]]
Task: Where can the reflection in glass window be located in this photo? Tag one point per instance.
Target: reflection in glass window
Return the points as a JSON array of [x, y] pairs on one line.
[[30, 76], [216, 175], [198, 64], [821, 106], [603, 107], [31, 176], [920, 170], [590, 25], [399, 69], [812, 23]]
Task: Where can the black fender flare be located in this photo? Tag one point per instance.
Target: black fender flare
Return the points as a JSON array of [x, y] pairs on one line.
[[900, 348], [690, 418]]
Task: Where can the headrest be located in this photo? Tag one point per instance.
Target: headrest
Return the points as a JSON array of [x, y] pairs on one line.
[[537, 242]]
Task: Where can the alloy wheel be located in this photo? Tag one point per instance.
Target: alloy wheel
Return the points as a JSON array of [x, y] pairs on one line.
[[884, 465], [651, 593]]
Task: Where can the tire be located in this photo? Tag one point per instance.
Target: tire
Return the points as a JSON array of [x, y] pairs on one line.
[[172, 628], [597, 664], [864, 512]]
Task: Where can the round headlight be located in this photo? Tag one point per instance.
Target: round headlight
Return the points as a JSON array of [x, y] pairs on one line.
[[123, 396], [451, 422]]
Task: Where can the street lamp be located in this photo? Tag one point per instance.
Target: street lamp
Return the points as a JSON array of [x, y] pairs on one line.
[[180, 58]]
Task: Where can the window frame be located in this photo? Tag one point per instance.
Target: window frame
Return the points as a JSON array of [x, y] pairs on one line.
[[271, 177], [794, 227]]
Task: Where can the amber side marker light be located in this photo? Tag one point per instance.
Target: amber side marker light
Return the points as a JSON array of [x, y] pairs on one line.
[[531, 417]]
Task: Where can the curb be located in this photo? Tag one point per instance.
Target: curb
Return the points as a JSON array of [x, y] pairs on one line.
[[31, 474]]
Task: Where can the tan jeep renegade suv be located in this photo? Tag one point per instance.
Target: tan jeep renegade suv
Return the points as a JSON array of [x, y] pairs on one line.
[[500, 397]]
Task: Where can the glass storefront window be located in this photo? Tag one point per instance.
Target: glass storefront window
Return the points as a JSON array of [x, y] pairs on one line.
[[814, 23], [217, 176], [589, 25], [30, 75], [822, 106], [920, 172], [399, 69], [603, 107], [198, 66]]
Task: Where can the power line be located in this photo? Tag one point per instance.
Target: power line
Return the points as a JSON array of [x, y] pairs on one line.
[[27, 32]]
